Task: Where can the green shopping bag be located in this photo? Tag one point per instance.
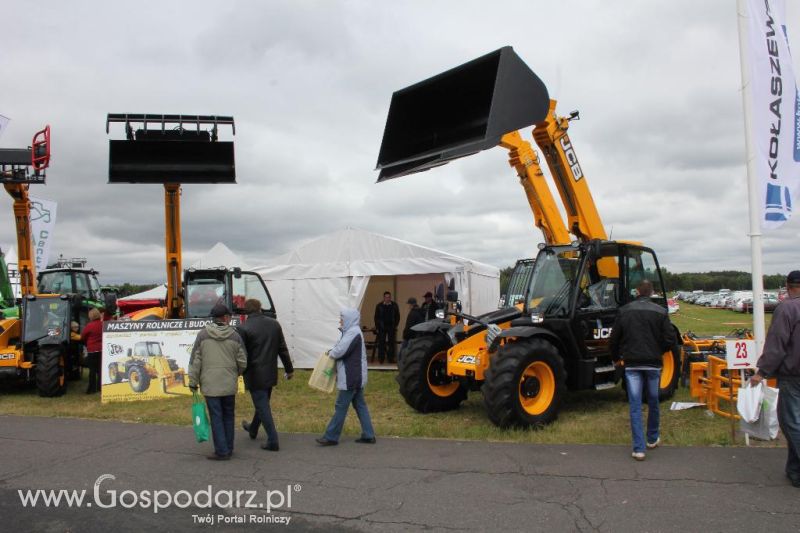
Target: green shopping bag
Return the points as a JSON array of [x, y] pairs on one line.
[[199, 418]]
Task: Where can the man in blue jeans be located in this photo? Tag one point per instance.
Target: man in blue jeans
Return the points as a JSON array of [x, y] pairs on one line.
[[218, 359], [351, 378], [639, 338], [781, 358]]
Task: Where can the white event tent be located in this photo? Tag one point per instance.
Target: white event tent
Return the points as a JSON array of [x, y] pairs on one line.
[[352, 268]]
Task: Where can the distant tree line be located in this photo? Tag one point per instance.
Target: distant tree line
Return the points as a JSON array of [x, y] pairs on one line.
[[126, 289], [714, 281], [692, 281]]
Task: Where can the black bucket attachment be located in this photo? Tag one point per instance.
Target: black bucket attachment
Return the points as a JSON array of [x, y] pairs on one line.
[[160, 155], [460, 112]]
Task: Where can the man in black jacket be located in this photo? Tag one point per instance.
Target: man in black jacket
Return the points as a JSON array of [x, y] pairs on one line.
[[415, 316], [781, 359], [263, 338], [387, 318], [640, 336]]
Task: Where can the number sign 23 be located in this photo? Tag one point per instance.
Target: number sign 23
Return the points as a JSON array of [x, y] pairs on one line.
[[741, 353]]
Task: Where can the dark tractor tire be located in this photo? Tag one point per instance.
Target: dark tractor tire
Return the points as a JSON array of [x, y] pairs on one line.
[[423, 378], [138, 379], [525, 384], [114, 375], [50, 374]]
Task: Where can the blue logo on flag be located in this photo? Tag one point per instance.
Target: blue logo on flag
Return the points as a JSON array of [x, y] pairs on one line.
[[776, 196]]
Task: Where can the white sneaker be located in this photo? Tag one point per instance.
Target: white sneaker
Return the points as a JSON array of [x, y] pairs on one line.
[[652, 445], [639, 456]]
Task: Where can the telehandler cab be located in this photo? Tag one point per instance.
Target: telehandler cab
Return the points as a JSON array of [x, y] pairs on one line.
[[552, 333]]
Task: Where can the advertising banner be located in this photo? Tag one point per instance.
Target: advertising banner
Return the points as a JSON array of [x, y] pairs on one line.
[[776, 111], [148, 359], [43, 222]]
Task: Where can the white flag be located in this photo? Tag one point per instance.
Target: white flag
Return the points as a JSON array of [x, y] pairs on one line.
[[43, 221], [776, 111], [3, 123]]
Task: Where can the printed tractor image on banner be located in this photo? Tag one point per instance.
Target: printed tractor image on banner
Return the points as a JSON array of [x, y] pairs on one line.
[[145, 360]]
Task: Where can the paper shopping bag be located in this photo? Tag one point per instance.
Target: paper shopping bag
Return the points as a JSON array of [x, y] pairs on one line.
[[324, 375]]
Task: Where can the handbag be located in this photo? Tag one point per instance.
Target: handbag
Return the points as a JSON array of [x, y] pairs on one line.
[[323, 377], [199, 418]]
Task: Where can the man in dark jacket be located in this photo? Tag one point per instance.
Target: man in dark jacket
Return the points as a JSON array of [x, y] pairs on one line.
[[264, 341], [415, 316], [387, 318], [640, 336], [218, 359], [781, 359], [429, 307]]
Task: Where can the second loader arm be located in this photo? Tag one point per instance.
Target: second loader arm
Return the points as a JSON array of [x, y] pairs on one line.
[[583, 219]]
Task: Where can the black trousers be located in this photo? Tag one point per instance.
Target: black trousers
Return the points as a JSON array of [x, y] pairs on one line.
[[387, 341], [93, 364]]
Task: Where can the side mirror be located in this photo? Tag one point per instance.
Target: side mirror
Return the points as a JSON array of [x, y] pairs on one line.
[[237, 272], [452, 296], [130, 352]]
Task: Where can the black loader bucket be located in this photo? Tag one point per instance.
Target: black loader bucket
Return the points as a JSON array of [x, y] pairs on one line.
[[460, 112], [155, 154]]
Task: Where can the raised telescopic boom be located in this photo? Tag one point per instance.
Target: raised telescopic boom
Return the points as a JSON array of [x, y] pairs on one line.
[[19, 167], [185, 153], [438, 120]]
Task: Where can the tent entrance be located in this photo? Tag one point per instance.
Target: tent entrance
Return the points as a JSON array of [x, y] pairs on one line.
[[402, 287]]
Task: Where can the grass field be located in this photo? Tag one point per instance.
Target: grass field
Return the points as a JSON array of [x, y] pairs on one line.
[[586, 417]]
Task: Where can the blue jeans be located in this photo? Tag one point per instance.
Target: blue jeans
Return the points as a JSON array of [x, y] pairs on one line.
[[343, 401], [220, 411], [789, 420], [636, 380], [263, 415]]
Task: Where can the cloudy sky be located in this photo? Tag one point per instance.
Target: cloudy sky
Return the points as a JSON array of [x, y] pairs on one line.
[[661, 135]]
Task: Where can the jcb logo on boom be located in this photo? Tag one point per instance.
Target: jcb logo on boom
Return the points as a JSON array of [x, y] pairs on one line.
[[601, 333], [572, 159]]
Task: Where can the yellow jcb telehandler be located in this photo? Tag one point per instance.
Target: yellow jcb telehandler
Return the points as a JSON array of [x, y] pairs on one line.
[[552, 335]]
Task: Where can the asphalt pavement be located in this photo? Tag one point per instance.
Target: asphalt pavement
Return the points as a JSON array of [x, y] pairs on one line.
[[394, 485]]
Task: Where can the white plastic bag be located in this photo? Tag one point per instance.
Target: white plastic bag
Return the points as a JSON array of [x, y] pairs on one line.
[[749, 402], [766, 426]]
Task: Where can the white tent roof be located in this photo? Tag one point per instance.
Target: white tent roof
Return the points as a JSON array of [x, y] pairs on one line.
[[355, 252], [313, 282], [220, 255]]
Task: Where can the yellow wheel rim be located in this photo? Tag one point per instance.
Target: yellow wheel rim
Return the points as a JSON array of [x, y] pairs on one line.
[[537, 388], [437, 368], [667, 370], [134, 377]]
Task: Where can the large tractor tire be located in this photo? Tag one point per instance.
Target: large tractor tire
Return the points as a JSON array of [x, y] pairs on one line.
[[670, 376], [114, 374], [139, 379], [525, 384], [50, 374], [670, 373], [423, 378]]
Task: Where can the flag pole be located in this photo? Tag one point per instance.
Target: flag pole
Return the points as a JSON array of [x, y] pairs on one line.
[[753, 194]]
